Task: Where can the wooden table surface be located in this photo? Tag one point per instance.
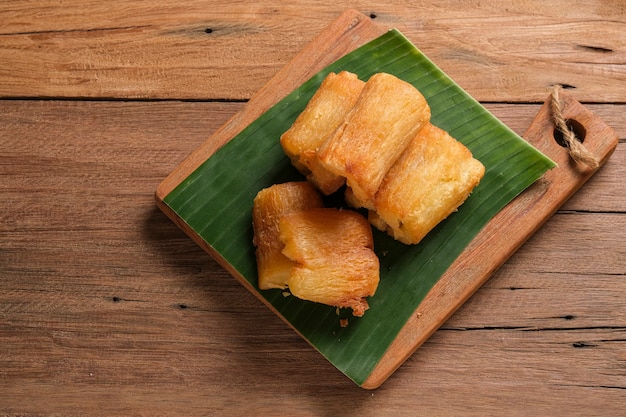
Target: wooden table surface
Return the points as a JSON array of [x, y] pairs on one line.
[[107, 308]]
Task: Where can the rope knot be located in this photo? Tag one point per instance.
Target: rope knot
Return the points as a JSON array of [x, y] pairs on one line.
[[577, 150]]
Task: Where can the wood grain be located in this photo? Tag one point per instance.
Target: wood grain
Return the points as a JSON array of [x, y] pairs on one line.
[[161, 49], [106, 308], [103, 297]]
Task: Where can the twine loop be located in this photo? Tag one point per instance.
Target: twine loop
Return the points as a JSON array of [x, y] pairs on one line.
[[577, 150]]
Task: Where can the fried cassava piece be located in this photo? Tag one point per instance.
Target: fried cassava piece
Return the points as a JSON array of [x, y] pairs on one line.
[[269, 206], [323, 114], [335, 263], [323, 255], [386, 116], [434, 175]]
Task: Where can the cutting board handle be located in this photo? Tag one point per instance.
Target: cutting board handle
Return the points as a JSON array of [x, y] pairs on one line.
[[596, 138]]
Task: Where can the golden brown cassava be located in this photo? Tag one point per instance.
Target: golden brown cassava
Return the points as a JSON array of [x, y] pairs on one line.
[[431, 179], [333, 254], [320, 118], [269, 206], [387, 115]]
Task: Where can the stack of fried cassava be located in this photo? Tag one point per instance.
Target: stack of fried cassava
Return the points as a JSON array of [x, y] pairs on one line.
[[375, 138]]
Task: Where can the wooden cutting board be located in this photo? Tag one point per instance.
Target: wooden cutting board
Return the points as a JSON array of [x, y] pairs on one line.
[[502, 236]]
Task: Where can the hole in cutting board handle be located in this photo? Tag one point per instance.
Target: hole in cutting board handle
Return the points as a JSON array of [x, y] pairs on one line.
[[579, 131]]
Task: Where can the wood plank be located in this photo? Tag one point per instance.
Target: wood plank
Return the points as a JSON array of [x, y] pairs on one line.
[[184, 126], [162, 49], [113, 310]]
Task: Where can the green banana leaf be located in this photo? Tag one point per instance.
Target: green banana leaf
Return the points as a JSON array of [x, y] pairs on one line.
[[216, 202]]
